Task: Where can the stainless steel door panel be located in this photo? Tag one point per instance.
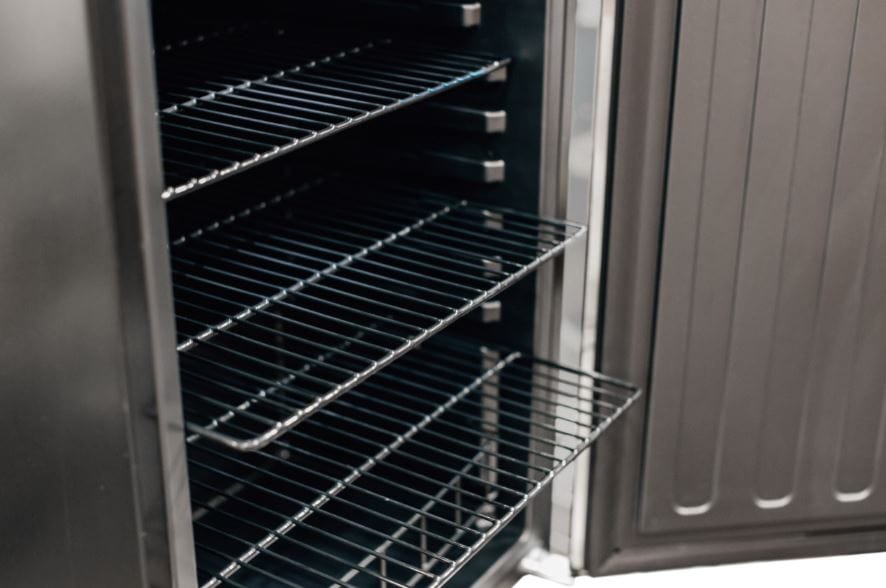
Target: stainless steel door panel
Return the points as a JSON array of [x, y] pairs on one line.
[[767, 393]]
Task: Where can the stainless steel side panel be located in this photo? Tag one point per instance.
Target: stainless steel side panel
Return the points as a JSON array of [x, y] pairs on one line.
[[769, 370], [93, 492]]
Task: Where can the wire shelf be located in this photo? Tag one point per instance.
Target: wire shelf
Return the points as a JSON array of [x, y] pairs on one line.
[[318, 289], [231, 100], [400, 484]]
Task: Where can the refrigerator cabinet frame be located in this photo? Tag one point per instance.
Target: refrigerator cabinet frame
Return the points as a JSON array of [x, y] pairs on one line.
[[140, 394]]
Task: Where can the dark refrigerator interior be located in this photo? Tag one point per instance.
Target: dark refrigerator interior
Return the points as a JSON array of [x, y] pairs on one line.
[[352, 199]]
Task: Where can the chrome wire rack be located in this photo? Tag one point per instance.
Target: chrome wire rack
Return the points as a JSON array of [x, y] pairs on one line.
[[403, 481], [234, 99], [291, 303]]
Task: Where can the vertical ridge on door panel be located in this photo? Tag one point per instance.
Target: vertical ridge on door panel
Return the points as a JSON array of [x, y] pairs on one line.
[[828, 48], [729, 121], [691, 125], [757, 286], [852, 310], [712, 216]]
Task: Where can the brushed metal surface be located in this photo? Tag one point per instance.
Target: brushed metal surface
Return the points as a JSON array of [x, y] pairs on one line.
[[92, 465], [767, 391]]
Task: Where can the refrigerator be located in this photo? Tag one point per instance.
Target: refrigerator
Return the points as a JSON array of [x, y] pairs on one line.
[[438, 292]]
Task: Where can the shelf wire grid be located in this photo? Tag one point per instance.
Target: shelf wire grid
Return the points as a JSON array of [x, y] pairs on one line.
[[229, 101], [400, 484], [302, 297]]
